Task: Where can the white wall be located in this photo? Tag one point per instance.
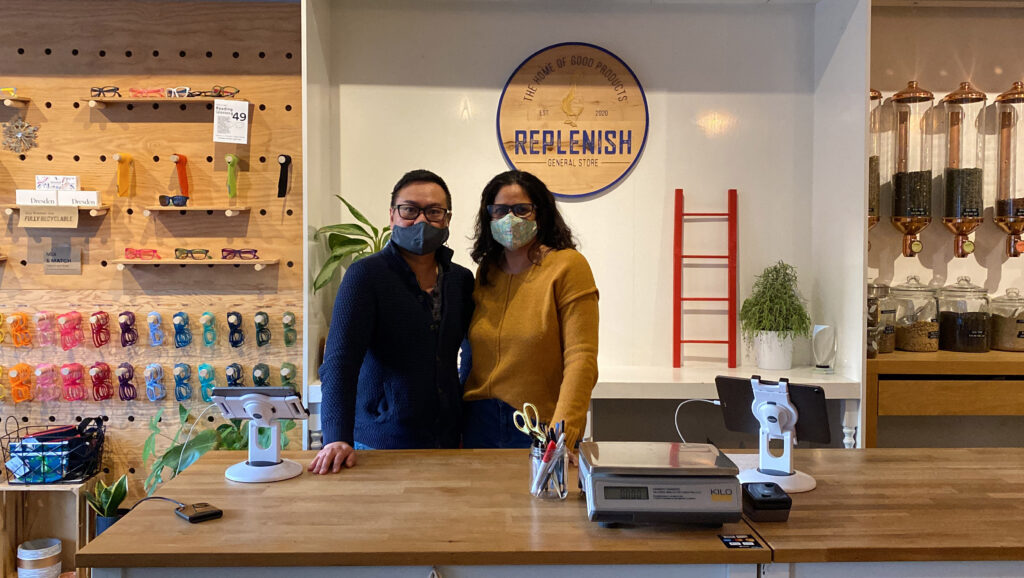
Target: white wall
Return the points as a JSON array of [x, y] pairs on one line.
[[731, 92]]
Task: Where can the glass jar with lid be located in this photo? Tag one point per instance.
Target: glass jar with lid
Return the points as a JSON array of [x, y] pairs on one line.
[[963, 317], [917, 316], [1008, 321], [882, 316]]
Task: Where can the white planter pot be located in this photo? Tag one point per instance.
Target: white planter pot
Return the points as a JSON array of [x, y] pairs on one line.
[[773, 352]]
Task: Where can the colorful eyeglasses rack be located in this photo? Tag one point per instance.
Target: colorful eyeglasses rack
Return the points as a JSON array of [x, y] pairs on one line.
[[21, 382], [154, 375], [129, 336], [182, 332], [233, 374], [48, 384], [182, 387], [73, 375], [209, 323], [207, 381], [125, 388], [102, 387], [290, 335], [156, 334], [18, 322], [45, 331], [71, 334], [99, 322], [261, 375], [262, 321], [235, 334]]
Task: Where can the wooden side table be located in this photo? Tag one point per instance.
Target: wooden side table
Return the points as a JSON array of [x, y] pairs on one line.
[[33, 511]]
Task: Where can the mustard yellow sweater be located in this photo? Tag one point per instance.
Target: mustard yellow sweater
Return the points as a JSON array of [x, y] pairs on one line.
[[534, 339]]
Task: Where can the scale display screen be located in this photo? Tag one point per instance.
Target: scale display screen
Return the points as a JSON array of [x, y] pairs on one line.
[[626, 493]]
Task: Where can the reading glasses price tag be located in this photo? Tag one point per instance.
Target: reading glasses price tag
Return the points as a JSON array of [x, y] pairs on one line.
[[231, 121]]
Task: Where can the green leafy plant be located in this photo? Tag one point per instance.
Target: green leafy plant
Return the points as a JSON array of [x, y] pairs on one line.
[[348, 240], [107, 499], [233, 435], [775, 305]]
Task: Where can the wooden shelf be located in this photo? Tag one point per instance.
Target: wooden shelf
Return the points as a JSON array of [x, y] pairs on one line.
[[17, 101], [258, 264], [948, 363], [94, 211], [103, 102], [228, 211]]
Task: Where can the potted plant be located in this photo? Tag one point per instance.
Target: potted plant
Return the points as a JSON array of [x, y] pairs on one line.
[[348, 240], [773, 316], [106, 502]]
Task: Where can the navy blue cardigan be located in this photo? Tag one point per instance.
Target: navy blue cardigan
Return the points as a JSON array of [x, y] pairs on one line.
[[390, 374]]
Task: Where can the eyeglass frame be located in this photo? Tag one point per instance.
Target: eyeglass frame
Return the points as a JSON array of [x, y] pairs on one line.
[[182, 254], [101, 91], [422, 211], [532, 210], [215, 91], [139, 254], [9, 90], [228, 253], [147, 92], [177, 91], [172, 200]]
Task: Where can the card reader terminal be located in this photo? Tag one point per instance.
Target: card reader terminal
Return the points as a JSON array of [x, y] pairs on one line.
[[659, 482]]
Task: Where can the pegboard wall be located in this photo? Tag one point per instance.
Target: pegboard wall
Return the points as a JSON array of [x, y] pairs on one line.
[[53, 53]]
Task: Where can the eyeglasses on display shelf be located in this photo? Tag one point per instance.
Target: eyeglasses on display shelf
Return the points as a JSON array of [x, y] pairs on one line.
[[73, 374], [126, 321], [262, 321], [100, 324], [173, 200], [235, 334], [45, 329], [412, 212], [125, 388], [104, 91], [154, 375], [290, 335], [71, 334], [182, 387], [48, 386], [102, 387], [521, 210], [233, 373], [196, 254], [18, 322], [243, 254], [9, 91], [209, 323], [146, 92], [21, 382], [207, 381], [215, 92], [177, 92], [288, 374], [143, 254], [182, 331], [261, 375], [156, 334]]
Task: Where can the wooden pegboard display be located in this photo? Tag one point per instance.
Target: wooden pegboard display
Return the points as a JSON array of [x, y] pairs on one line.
[[53, 56]]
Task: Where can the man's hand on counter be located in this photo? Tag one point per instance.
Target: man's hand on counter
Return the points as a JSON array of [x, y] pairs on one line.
[[332, 458]]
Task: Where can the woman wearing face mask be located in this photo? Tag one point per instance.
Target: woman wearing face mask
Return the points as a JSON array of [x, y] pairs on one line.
[[534, 329], [390, 377]]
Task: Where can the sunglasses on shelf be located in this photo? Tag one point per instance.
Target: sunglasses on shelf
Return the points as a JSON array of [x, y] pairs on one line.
[[218, 91], [173, 200], [244, 254], [105, 91], [197, 254], [177, 92], [9, 91], [145, 92], [144, 254]]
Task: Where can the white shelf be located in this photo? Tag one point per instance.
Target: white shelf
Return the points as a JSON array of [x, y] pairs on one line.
[[622, 382], [228, 211]]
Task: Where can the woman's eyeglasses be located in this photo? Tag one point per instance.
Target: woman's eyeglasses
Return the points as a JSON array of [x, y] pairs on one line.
[[244, 254], [177, 92], [173, 200], [412, 212], [144, 254], [97, 91], [225, 91], [197, 254], [9, 91], [146, 92], [521, 210]]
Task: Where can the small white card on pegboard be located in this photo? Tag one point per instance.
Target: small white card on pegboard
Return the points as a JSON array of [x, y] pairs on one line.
[[231, 121]]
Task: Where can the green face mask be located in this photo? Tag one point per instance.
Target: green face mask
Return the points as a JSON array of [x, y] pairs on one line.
[[513, 232]]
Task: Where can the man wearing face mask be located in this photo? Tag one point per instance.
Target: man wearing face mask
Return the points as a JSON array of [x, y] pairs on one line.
[[390, 373], [534, 329]]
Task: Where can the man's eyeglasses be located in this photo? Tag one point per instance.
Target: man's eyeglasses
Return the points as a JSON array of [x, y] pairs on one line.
[[197, 254], [244, 254], [177, 92], [173, 200], [97, 91], [521, 210], [9, 90], [224, 91], [146, 92], [412, 212], [144, 254]]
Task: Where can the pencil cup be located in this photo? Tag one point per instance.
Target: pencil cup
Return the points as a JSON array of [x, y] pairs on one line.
[[547, 480]]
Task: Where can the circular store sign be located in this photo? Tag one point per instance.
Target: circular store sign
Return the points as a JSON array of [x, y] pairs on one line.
[[574, 115]]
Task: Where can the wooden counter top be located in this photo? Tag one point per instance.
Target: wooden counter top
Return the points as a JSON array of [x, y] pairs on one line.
[[451, 507], [904, 505]]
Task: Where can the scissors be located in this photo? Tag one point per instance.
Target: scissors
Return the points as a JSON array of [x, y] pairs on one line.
[[530, 425]]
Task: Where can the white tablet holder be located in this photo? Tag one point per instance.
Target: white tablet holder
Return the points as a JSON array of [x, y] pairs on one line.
[[777, 416], [263, 406]]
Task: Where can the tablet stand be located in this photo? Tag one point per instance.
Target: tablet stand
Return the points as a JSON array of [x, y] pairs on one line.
[[263, 406], [777, 416]]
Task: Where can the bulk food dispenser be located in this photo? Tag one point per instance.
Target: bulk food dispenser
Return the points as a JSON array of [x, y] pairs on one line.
[[874, 157], [912, 168], [963, 114], [1010, 179]]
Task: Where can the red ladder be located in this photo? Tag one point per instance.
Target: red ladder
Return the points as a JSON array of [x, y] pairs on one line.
[[730, 258]]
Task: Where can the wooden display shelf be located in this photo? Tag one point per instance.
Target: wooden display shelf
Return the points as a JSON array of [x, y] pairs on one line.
[[258, 264], [17, 101], [59, 510], [892, 388], [99, 103], [228, 211], [94, 211]]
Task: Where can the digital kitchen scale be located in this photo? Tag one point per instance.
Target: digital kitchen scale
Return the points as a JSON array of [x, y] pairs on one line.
[[659, 482]]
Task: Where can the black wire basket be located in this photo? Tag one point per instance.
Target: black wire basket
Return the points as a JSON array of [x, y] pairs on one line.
[[52, 454]]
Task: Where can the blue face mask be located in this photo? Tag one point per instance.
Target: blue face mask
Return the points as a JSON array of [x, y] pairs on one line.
[[419, 239]]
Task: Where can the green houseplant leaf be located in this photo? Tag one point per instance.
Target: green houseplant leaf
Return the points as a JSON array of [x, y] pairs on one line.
[[775, 305], [348, 241], [107, 499]]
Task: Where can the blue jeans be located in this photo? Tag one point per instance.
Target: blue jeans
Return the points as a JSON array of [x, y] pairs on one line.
[[487, 423]]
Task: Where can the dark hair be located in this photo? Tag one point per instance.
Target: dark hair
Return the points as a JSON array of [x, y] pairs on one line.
[[420, 176], [551, 229]]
